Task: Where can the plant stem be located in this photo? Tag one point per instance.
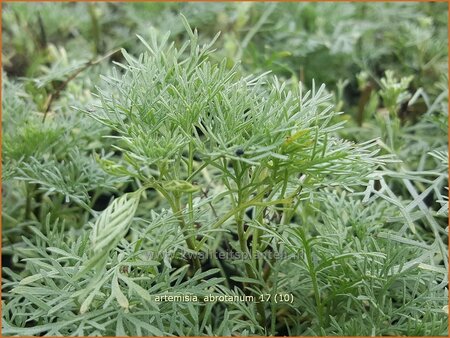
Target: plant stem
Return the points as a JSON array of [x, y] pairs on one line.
[[175, 205], [239, 216], [52, 96], [312, 273], [176, 208], [28, 203], [248, 268], [190, 167], [259, 217], [273, 306], [95, 28], [245, 205]]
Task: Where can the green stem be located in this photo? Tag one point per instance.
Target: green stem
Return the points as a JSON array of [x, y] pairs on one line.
[[190, 168], [243, 206], [239, 216], [190, 241], [175, 205], [312, 273], [259, 217], [29, 189], [273, 306], [196, 172], [248, 267], [95, 29]]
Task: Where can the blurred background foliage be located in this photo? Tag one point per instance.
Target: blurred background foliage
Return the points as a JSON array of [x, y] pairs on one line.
[[349, 47]]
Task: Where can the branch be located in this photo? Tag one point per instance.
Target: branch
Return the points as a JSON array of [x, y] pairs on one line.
[[57, 92]]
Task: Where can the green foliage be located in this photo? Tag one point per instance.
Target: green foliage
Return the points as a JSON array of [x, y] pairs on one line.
[[172, 170]]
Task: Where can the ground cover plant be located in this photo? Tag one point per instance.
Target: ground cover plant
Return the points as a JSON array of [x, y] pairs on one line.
[[287, 176]]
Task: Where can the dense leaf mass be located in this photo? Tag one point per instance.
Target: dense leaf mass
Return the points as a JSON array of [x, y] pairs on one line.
[[286, 176]]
